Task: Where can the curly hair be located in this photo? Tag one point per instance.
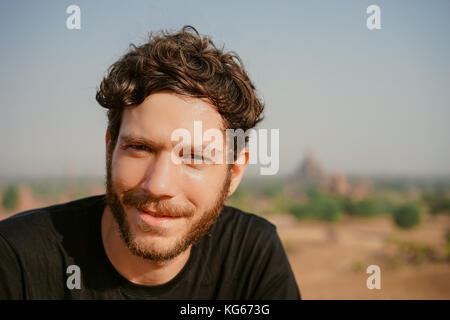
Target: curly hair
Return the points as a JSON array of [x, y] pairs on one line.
[[185, 63]]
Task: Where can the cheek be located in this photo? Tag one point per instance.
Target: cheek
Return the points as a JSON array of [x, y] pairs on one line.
[[202, 187], [127, 172]]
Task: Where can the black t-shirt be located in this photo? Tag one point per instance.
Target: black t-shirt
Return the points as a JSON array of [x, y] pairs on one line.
[[241, 257]]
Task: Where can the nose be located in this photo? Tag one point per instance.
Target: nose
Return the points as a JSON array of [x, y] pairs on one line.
[[161, 178]]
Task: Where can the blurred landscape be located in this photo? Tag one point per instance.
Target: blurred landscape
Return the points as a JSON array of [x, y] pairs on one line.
[[331, 225]]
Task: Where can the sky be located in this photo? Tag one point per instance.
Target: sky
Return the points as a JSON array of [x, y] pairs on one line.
[[365, 102]]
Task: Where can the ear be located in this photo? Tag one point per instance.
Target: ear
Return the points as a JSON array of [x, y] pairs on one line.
[[238, 169]]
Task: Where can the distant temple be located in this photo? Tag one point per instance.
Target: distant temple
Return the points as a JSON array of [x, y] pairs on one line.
[[311, 172]]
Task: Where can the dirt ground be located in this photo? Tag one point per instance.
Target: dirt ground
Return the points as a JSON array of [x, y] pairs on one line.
[[330, 260]]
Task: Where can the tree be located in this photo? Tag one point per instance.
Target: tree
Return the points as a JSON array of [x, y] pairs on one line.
[[407, 216], [10, 197]]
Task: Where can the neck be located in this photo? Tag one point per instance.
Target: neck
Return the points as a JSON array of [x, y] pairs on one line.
[[136, 269]]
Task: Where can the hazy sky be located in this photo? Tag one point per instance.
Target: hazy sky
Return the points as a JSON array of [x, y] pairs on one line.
[[364, 101]]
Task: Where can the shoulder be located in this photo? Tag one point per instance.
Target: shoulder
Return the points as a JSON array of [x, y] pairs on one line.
[[243, 224], [241, 235], [253, 258], [35, 226], [237, 216]]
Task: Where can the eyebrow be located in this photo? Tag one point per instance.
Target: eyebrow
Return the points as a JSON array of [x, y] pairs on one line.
[[130, 139]]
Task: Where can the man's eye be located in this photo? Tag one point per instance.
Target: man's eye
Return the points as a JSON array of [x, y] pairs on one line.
[[139, 147]]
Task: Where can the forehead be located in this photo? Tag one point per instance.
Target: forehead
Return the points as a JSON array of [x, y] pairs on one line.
[[163, 112]]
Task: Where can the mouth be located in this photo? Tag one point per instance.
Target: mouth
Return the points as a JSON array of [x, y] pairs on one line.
[[157, 215]]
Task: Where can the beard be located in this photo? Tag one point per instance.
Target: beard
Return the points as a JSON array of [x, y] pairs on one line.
[[139, 247]]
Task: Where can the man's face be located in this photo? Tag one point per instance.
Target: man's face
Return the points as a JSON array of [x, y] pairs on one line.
[[144, 177]]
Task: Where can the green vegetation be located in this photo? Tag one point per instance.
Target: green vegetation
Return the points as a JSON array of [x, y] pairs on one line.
[[407, 216], [10, 197], [368, 207], [311, 202], [437, 202], [324, 206], [320, 206], [413, 252]]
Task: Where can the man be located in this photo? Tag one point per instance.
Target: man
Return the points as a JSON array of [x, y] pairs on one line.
[[161, 231]]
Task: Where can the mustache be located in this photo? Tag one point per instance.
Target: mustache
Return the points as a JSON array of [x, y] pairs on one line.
[[164, 207]]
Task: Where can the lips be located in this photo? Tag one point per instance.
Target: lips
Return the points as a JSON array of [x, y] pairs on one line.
[[156, 214]]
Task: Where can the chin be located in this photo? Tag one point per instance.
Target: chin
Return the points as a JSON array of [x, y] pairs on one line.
[[155, 248]]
